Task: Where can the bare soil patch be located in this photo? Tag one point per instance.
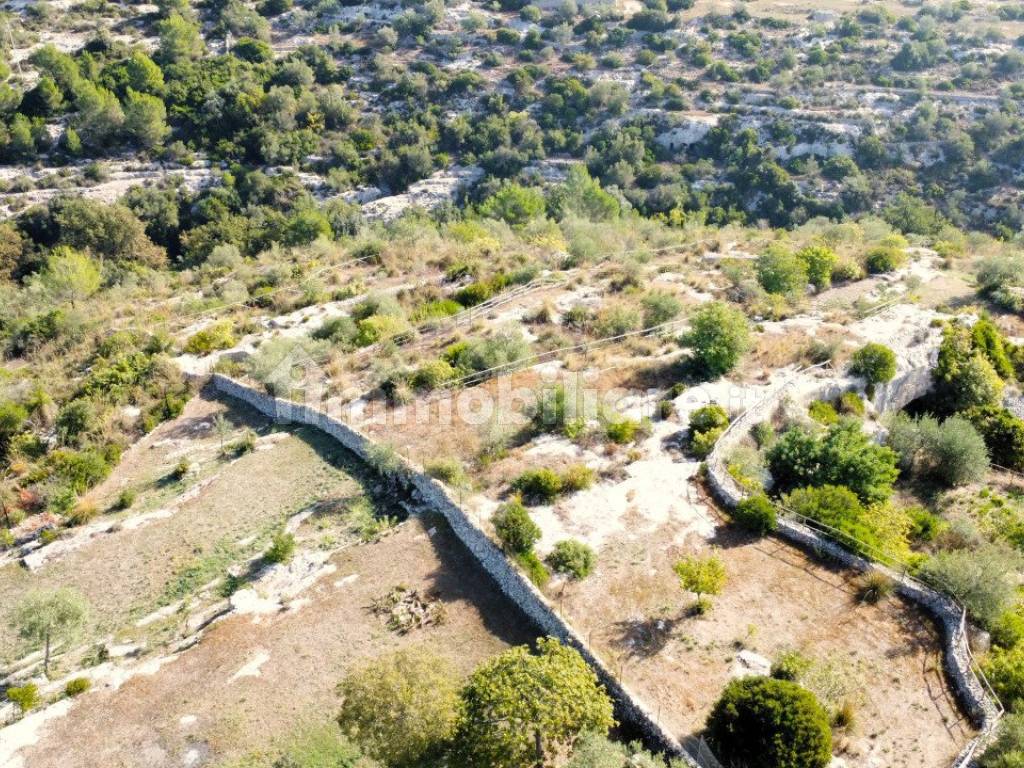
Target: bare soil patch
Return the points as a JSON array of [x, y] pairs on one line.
[[776, 599], [252, 679]]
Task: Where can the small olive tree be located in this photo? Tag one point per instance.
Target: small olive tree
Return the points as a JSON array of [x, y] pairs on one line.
[[45, 617], [702, 575]]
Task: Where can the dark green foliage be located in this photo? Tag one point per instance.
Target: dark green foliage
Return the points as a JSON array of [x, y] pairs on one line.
[[844, 455], [951, 452], [963, 376], [761, 722], [756, 513], [1003, 434], [1007, 750], [876, 363], [516, 531]]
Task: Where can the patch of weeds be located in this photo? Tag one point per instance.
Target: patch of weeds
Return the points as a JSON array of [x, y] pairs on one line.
[[203, 569], [362, 519]]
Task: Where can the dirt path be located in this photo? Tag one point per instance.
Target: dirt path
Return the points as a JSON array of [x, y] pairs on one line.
[[253, 679]]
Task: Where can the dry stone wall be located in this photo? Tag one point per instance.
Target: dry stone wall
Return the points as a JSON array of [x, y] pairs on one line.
[[433, 495], [910, 385]]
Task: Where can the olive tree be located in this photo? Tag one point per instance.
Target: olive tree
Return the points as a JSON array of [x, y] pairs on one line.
[[523, 708], [45, 617], [401, 707], [718, 337]]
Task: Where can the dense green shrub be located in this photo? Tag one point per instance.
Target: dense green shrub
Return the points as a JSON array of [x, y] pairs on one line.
[[538, 486], [756, 513], [712, 416], [1003, 434], [1007, 749], [1005, 671], [875, 363], [401, 707], [702, 443], [851, 522], [659, 308], [514, 528], [843, 456], [822, 412], [573, 558], [851, 404], [988, 339], [718, 337], [963, 376], [884, 258], [819, 261], [534, 568], [761, 722], [26, 696], [622, 431]]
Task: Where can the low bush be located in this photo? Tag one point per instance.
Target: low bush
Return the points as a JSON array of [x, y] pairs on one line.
[[1008, 630], [884, 259], [707, 417], [1007, 749], [538, 486], [572, 558], [622, 431], [77, 686], [790, 665], [26, 696], [217, 336], [822, 412], [874, 587], [851, 404], [756, 513], [577, 477], [534, 568], [702, 443], [449, 471], [1002, 432], [282, 547], [1004, 668], [83, 512], [514, 528]]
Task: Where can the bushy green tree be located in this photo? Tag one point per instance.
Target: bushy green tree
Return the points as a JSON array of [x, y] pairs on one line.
[[514, 204], [702, 575], [760, 722], [875, 363], [145, 120], [951, 452], [964, 377], [402, 707], [70, 276], [844, 456], [523, 708], [718, 337], [779, 270], [1003, 434]]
